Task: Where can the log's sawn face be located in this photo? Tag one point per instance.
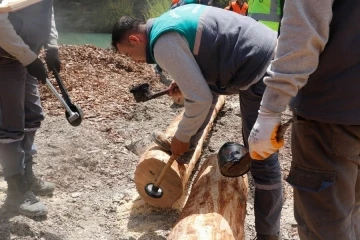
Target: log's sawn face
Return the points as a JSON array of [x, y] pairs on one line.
[[176, 178], [149, 169]]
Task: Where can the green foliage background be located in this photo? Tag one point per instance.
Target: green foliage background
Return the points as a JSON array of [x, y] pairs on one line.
[[155, 8], [100, 15]]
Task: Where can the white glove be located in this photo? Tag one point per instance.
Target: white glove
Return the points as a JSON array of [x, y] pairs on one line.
[[262, 139]]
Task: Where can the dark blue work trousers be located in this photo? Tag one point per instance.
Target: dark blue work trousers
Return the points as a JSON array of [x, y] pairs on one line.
[[20, 115], [266, 173]]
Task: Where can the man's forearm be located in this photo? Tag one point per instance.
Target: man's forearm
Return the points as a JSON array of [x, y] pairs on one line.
[[12, 43], [172, 53], [304, 34]]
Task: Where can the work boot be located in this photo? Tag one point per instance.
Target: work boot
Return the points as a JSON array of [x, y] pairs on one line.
[[37, 185], [268, 237], [20, 197], [164, 141]]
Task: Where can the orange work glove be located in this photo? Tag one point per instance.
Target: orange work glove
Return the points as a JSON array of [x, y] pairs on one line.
[[178, 147], [263, 137]]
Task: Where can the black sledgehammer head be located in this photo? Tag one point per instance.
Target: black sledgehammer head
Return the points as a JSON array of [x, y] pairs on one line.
[[233, 160], [152, 191]]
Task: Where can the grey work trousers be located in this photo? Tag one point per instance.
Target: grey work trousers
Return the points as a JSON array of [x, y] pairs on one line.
[[266, 173], [326, 180], [20, 116]]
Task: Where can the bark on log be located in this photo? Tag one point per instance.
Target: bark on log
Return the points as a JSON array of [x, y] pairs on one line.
[[216, 207], [174, 182]]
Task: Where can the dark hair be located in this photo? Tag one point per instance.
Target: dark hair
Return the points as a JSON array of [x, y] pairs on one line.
[[122, 28]]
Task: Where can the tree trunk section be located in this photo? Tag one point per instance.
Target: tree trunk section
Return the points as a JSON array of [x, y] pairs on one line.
[[174, 182], [216, 207]]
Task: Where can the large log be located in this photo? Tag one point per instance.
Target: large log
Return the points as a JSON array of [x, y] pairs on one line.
[[174, 182], [216, 207]]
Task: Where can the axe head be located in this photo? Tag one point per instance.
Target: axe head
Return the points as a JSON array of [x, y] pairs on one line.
[[141, 92]]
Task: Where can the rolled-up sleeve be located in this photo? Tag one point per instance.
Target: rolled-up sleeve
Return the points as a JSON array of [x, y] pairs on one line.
[[12, 43]]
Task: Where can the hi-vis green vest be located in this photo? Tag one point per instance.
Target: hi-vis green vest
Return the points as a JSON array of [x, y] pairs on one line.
[[268, 12]]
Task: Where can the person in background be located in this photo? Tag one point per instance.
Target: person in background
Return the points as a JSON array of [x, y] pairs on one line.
[[23, 34], [229, 56], [316, 70], [177, 3], [267, 12], [238, 6]]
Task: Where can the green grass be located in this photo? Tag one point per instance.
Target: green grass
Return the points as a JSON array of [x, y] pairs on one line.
[[99, 16], [156, 8], [90, 15]]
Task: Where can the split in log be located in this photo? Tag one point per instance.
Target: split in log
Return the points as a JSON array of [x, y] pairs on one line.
[[154, 159], [216, 207]]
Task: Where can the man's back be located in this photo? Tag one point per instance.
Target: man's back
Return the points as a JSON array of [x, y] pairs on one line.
[[340, 76], [229, 48]]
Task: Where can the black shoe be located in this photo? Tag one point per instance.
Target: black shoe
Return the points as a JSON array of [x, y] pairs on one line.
[[32, 207], [164, 141], [37, 185], [20, 197]]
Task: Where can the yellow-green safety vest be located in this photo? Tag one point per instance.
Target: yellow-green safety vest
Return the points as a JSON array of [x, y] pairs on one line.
[[268, 12]]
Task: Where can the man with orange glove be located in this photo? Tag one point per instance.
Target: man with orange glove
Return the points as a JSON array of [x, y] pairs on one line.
[[317, 74]]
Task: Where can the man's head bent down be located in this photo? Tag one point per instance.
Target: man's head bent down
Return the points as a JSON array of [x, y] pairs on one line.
[[129, 38]]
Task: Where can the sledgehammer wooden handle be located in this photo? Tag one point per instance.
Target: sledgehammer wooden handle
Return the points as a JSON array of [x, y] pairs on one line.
[[164, 170], [163, 92]]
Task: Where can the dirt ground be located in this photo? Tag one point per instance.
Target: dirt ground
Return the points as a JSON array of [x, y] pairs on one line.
[[95, 196]]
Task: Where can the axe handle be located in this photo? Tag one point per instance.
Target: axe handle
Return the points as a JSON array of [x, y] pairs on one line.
[[158, 94]]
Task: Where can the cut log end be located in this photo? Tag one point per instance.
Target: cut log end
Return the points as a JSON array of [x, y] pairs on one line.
[[176, 178], [148, 170]]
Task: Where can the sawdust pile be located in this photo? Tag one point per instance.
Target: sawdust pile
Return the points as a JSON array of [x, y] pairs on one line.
[[98, 81]]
